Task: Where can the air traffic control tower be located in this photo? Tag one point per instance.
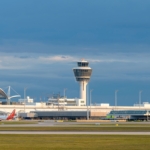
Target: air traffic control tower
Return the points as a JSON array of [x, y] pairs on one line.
[[82, 74]]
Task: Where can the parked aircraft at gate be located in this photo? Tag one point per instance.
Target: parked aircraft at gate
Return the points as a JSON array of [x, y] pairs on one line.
[[7, 117]]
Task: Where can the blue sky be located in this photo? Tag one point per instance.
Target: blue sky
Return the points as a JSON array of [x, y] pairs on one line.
[[40, 42]]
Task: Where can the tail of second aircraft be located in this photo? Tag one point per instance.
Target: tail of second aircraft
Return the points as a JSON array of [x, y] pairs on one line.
[[11, 116]]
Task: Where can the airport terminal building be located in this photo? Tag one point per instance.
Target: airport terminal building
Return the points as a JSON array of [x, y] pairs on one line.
[[61, 107]]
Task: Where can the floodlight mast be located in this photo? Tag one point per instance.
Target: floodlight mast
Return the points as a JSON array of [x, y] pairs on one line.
[[140, 97], [116, 91], [25, 98], [90, 100], [65, 92], [83, 73]]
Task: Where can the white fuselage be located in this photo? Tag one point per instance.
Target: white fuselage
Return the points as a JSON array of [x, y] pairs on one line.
[[3, 117]]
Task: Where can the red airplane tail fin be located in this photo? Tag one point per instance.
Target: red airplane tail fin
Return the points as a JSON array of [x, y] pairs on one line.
[[11, 116]]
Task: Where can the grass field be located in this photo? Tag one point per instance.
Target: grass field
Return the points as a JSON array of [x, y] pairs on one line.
[[100, 129], [73, 142]]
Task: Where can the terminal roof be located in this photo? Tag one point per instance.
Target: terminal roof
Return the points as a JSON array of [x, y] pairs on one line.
[[3, 95]]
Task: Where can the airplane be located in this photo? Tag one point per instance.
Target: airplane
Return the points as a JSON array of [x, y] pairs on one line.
[[7, 117]]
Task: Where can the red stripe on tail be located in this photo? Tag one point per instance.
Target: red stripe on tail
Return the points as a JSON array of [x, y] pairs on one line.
[[11, 116]]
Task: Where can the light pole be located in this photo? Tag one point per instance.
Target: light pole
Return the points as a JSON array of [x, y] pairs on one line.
[[65, 92], [116, 98], [25, 97], [140, 95], [87, 101], [147, 114], [90, 100]]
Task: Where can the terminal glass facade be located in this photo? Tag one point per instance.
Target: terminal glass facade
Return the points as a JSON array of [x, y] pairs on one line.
[[131, 112]]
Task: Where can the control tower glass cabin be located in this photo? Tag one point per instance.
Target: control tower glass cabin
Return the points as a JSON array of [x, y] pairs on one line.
[[82, 74]]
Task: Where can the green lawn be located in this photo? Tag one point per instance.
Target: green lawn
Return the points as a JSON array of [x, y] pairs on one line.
[[73, 142]]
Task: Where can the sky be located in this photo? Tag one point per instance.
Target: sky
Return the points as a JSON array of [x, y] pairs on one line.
[[41, 41]]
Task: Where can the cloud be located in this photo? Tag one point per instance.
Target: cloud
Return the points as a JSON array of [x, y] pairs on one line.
[[42, 44], [104, 65], [58, 58], [10, 62]]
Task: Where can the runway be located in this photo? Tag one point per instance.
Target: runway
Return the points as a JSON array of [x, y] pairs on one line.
[[47, 124], [75, 133], [53, 123]]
